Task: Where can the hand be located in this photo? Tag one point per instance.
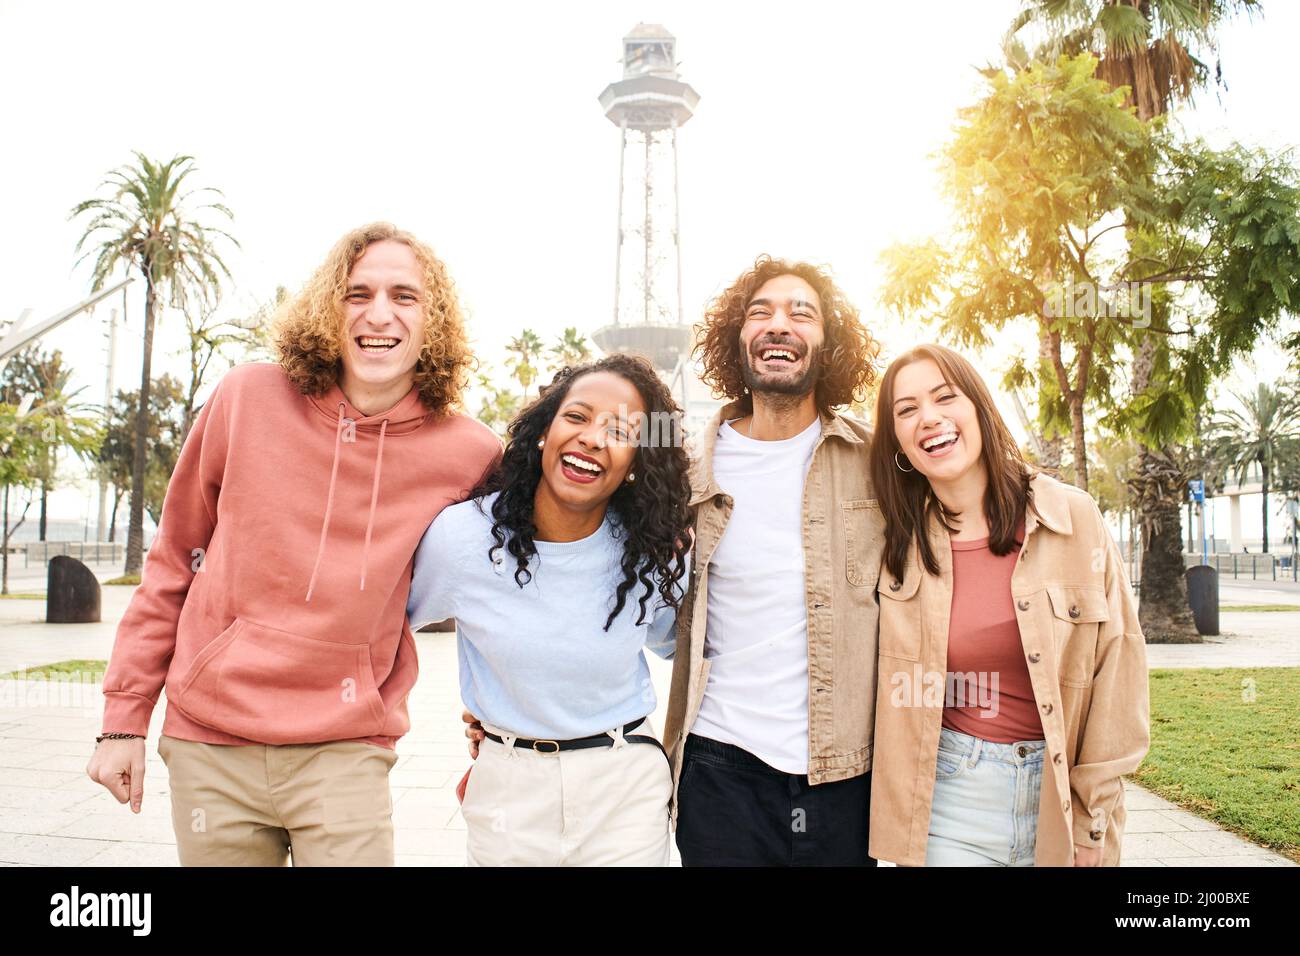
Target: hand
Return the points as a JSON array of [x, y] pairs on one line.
[[1086, 855], [474, 732], [119, 766]]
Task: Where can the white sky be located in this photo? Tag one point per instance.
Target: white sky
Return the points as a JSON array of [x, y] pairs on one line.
[[477, 127]]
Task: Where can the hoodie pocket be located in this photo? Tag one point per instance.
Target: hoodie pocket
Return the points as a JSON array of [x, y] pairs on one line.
[[274, 687]]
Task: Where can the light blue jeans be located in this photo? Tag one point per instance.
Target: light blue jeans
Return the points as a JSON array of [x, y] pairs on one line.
[[985, 810]]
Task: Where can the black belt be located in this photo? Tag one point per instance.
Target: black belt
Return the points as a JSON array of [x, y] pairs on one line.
[[582, 743]]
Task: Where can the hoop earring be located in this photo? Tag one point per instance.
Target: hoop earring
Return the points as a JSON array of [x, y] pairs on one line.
[[541, 443], [899, 465]]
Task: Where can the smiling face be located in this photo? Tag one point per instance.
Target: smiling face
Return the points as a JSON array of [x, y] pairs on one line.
[[592, 441], [936, 425], [782, 337], [383, 311]]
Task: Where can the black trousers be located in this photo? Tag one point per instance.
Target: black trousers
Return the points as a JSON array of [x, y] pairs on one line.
[[736, 810]]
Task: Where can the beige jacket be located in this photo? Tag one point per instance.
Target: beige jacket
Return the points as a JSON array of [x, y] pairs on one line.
[[842, 545], [1087, 665]]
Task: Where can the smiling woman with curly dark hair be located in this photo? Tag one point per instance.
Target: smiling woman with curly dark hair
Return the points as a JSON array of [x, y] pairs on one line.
[[567, 562]]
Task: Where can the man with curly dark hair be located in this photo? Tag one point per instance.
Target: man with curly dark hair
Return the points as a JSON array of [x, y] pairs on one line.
[[273, 602], [770, 716]]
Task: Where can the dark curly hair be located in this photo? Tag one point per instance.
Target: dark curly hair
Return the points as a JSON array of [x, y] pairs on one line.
[[652, 514], [847, 358]]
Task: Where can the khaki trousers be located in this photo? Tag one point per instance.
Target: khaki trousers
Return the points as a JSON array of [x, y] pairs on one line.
[[321, 804], [604, 806]]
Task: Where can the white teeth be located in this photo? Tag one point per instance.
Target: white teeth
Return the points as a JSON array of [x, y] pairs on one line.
[[778, 353], [374, 342], [580, 463], [937, 440]]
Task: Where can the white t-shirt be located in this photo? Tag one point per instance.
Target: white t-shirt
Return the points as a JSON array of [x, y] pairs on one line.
[[757, 631]]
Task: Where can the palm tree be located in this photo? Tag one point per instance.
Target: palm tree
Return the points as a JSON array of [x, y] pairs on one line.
[[1262, 431], [148, 223], [570, 348], [525, 353], [1151, 47]]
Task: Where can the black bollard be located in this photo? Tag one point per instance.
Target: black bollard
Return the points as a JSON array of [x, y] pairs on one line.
[[1203, 597], [72, 595]]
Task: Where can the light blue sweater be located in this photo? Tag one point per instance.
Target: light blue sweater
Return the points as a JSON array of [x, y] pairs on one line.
[[535, 661]]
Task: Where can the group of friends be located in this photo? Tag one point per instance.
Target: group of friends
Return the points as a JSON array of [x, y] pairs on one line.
[[896, 640]]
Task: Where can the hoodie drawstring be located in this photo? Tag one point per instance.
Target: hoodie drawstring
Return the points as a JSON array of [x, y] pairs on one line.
[[329, 503], [374, 498]]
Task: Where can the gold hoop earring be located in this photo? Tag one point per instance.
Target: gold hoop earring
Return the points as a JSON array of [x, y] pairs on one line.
[[899, 465]]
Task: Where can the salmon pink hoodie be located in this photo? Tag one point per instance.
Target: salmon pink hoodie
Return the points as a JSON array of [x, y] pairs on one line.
[[273, 603]]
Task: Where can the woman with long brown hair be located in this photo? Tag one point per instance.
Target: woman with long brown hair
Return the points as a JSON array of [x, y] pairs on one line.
[[1012, 690]]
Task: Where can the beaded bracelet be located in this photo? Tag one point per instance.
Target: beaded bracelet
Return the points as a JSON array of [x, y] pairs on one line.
[[117, 737]]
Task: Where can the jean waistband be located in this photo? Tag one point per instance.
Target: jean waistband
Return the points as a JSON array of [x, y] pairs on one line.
[[730, 755], [964, 745]]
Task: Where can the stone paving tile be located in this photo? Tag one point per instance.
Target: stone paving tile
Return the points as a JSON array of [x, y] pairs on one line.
[[411, 859], [42, 779], [1135, 798], [124, 826], [39, 820], [1246, 860], [20, 758], [22, 798], [136, 854], [1155, 846], [1189, 821], [46, 850], [1218, 843], [431, 842], [1150, 821]]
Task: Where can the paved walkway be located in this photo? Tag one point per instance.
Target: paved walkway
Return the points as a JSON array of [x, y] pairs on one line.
[[52, 814]]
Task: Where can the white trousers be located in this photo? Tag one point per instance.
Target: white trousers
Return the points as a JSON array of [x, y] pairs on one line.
[[602, 806]]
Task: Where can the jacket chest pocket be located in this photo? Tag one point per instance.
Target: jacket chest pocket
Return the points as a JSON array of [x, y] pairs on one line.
[[864, 540], [900, 615], [1077, 616]]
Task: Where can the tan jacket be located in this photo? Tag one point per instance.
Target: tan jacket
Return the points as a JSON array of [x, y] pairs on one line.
[[842, 544], [1087, 665]]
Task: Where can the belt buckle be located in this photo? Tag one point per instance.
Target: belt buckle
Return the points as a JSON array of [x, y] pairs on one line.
[[553, 743]]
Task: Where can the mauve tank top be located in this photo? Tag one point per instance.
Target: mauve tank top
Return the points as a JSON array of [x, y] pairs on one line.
[[987, 694]]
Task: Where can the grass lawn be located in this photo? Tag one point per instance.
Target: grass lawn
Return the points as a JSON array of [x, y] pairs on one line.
[[62, 670], [124, 579], [22, 597], [1226, 744]]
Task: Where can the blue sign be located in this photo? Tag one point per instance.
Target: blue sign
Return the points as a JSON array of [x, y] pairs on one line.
[[1196, 491]]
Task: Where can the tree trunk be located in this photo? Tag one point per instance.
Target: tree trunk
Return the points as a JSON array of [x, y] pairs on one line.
[[1163, 610], [45, 496], [112, 521], [1264, 468], [4, 551], [1079, 440], [135, 532], [1052, 447]]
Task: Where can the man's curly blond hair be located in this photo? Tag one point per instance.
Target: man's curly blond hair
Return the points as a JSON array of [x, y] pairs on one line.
[[309, 332]]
